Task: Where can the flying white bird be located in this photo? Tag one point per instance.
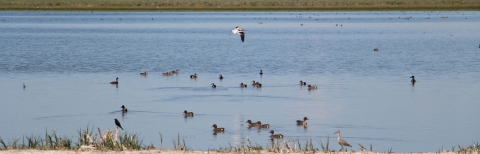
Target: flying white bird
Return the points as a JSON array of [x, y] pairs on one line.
[[239, 31]]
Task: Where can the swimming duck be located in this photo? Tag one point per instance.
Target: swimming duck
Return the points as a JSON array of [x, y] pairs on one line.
[[220, 77], [261, 72], [272, 135], [185, 113], [114, 82], [26, 86], [256, 84], [413, 79], [124, 109], [259, 124], [194, 76], [310, 87], [303, 83], [167, 74], [143, 74], [243, 85], [302, 122], [376, 49], [176, 71], [214, 86], [215, 129], [250, 124]]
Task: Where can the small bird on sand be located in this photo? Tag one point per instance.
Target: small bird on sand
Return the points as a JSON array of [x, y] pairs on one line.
[[361, 147], [118, 124]]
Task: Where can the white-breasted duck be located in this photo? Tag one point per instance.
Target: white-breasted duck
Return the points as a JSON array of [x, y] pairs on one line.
[[310, 87]]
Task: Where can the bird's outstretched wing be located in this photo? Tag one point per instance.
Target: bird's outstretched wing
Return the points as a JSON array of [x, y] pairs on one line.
[[242, 35]]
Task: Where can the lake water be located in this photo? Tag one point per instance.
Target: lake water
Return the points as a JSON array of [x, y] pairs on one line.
[[67, 60]]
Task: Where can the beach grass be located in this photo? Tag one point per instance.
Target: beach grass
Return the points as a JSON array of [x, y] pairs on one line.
[[238, 5], [112, 140]]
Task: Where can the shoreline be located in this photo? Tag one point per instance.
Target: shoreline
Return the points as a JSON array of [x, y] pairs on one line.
[[171, 151], [380, 7]]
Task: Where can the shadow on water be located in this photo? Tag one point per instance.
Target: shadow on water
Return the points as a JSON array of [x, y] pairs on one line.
[[60, 116]]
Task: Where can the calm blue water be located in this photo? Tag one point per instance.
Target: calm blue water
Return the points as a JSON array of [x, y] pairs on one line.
[[67, 59]]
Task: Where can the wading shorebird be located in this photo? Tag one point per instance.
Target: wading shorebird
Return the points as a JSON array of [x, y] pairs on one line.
[[341, 141]]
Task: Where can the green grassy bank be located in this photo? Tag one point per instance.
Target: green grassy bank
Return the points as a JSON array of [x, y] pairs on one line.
[[239, 5]]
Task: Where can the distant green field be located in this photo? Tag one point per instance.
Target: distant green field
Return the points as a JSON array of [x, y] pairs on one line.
[[239, 5]]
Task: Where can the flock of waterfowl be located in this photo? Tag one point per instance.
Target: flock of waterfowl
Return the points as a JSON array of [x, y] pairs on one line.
[[251, 124], [257, 124]]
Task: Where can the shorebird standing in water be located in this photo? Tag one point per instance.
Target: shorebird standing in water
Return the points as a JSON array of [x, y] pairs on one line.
[[239, 31]]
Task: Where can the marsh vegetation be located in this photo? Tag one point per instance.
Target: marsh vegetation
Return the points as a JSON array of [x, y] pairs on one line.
[[94, 139], [246, 5]]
